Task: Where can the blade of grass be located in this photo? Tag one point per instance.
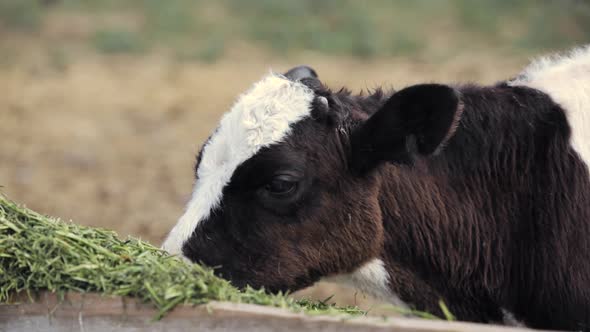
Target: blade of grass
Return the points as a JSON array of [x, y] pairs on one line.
[[448, 315]]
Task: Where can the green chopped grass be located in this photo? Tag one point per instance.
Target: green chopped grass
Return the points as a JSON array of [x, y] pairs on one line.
[[39, 253], [448, 315]]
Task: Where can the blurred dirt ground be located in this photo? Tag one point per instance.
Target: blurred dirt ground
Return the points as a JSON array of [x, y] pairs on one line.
[[110, 141]]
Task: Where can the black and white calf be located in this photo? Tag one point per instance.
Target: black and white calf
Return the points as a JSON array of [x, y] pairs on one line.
[[476, 195]]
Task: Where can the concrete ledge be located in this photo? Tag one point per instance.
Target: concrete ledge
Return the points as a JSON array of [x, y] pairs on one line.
[[91, 312]]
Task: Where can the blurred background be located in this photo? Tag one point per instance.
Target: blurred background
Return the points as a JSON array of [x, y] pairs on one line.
[[104, 104]]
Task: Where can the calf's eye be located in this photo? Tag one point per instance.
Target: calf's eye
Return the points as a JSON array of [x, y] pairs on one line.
[[281, 186]]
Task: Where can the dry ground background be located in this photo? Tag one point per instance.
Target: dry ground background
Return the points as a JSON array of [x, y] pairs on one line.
[[104, 106]]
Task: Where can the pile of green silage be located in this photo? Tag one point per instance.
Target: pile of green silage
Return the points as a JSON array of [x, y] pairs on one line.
[[39, 253]]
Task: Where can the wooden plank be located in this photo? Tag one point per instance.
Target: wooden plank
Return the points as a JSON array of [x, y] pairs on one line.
[[91, 312]]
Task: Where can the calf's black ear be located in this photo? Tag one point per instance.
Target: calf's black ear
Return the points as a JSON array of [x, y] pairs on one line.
[[418, 119], [301, 72]]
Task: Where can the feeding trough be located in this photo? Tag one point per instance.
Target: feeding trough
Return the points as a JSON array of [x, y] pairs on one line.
[[91, 312]]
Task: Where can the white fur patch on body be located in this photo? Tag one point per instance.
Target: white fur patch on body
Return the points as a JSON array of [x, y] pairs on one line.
[[371, 278], [508, 319], [566, 78], [262, 116]]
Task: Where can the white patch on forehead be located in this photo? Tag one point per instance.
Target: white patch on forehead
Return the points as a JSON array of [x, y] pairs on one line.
[[260, 117], [371, 278], [566, 79]]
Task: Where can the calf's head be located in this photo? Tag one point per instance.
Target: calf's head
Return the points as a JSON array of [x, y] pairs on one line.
[[287, 186]]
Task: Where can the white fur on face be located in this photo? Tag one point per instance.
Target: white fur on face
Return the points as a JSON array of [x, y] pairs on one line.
[[371, 278], [262, 116], [566, 79]]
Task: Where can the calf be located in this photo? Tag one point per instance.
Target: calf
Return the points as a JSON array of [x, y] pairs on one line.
[[476, 195]]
